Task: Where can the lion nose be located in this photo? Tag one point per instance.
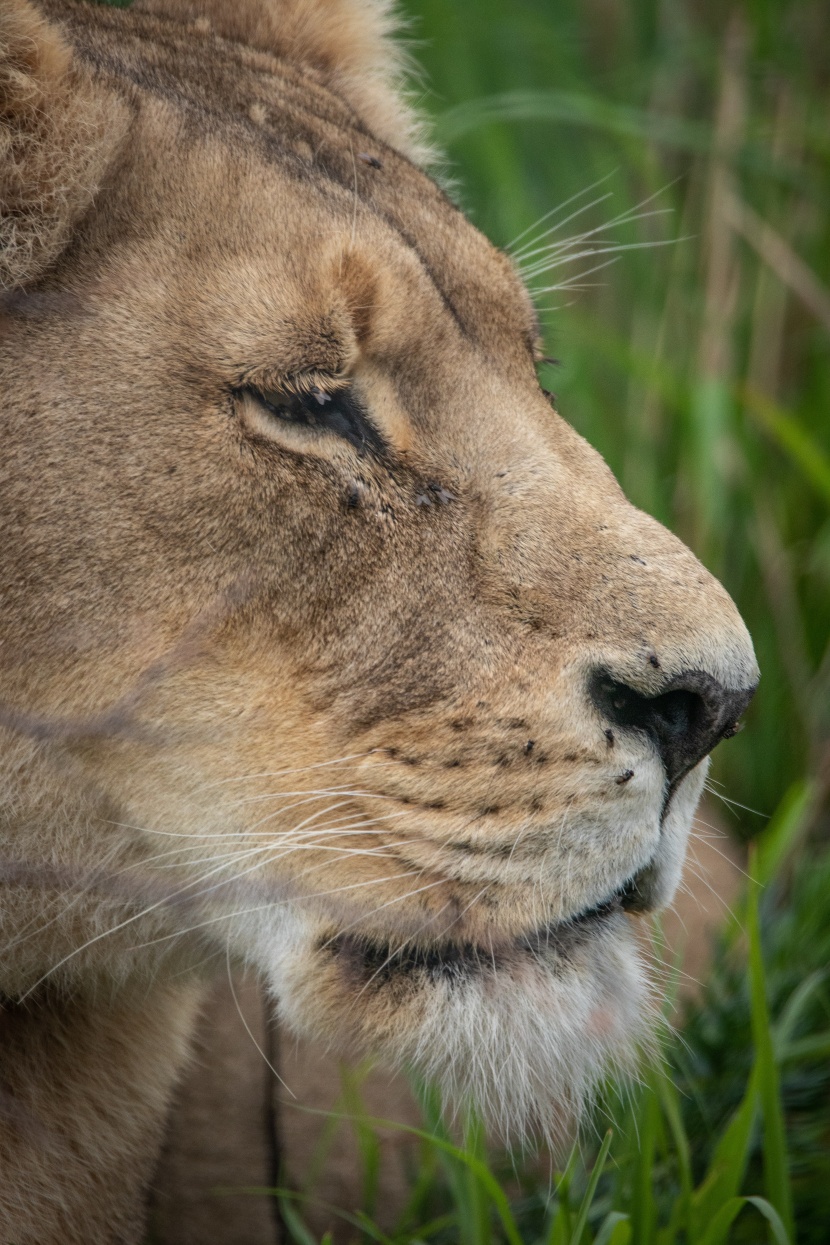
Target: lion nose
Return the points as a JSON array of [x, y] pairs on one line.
[[684, 721]]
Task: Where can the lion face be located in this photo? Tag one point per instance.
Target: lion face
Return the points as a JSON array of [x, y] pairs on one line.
[[381, 682]]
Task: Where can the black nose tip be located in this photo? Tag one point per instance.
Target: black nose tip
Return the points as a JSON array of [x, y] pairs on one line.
[[692, 714]]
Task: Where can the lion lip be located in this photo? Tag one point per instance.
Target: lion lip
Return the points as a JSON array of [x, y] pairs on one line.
[[379, 962]]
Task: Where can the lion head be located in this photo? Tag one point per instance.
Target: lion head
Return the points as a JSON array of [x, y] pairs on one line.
[[327, 643]]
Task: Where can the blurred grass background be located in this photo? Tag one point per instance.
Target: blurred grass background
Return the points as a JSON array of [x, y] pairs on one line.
[[699, 365]]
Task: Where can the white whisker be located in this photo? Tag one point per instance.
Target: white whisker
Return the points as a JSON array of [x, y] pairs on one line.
[[585, 191], [579, 239], [589, 252], [248, 1028], [735, 803]]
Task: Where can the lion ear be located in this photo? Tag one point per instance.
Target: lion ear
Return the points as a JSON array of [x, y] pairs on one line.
[[57, 135], [351, 42]]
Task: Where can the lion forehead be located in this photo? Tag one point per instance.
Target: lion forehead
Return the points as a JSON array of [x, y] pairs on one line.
[[276, 147]]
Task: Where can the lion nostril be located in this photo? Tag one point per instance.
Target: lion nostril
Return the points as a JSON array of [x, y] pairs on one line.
[[685, 721]]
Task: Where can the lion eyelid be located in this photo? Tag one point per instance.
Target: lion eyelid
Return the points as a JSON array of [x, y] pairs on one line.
[[345, 418]]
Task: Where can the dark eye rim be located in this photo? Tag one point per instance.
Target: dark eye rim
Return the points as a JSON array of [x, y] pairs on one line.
[[337, 412]]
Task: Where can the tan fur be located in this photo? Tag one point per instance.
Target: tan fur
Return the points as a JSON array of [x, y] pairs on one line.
[[347, 41], [71, 1171], [57, 134], [267, 695]]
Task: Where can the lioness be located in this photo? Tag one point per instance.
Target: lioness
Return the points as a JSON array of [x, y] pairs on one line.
[[327, 646]]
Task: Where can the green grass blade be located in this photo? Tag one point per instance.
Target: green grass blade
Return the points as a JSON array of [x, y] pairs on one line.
[[472, 1163], [598, 112], [718, 1229], [585, 1206], [772, 1216], [728, 1165], [573, 109], [614, 1230], [478, 1222], [561, 1227], [817, 1046], [366, 1137], [793, 1010], [422, 1182], [643, 1206], [672, 1110], [673, 1114], [796, 442], [455, 1172], [300, 1234], [371, 1229], [434, 1226], [779, 838], [776, 1166]]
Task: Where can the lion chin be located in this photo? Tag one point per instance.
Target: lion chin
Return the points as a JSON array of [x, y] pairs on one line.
[[523, 1031]]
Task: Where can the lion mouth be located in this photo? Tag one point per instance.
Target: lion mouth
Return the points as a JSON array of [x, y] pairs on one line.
[[380, 961]]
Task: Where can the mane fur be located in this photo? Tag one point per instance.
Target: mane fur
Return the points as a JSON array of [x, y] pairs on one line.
[[354, 44], [58, 132]]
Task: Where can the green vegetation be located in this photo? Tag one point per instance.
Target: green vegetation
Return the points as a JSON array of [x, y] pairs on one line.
[[699, 365]]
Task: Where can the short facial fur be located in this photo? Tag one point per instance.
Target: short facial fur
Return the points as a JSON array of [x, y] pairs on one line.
[[326, 643]]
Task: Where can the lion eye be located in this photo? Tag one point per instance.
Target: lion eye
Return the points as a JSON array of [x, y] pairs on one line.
[[338, 412]]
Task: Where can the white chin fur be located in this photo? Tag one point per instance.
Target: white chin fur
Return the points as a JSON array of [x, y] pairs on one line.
[[524, 1036]]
